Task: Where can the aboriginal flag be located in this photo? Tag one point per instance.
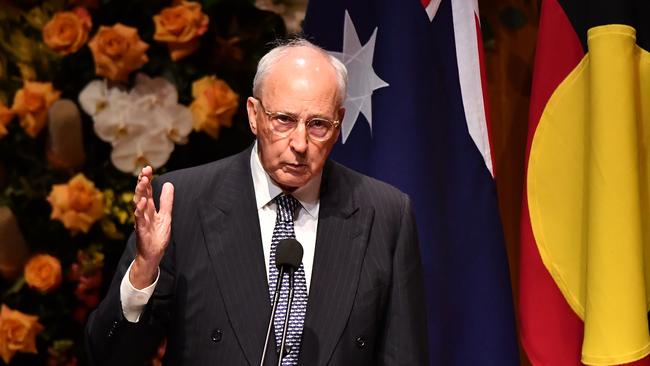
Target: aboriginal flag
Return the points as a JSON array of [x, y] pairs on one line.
[[585, 245]]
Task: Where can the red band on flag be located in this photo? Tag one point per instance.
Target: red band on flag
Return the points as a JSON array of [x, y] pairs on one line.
[[551, 332], [484, 86]]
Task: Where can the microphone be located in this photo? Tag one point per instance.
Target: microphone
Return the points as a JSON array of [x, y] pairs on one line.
[[288, 256], [291, 258]]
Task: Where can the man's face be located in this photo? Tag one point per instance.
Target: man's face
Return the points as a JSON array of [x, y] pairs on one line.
[[302, 84]]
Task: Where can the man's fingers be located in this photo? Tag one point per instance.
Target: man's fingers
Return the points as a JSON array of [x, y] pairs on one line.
[[150, 208], [139, 213], [142, 189], [167, 199], [145, 207], [148, 188], [147, 171]]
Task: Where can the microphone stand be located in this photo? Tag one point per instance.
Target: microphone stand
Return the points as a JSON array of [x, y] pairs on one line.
[[286, 318], [276, 297]]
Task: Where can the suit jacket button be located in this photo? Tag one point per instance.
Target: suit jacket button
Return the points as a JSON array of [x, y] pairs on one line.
[[216, 335], [360, 341]]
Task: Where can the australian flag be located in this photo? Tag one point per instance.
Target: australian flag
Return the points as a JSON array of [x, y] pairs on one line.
[[416, 118]]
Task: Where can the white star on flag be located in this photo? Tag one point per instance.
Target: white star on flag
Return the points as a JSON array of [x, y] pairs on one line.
[[431, 7], [362, 78]]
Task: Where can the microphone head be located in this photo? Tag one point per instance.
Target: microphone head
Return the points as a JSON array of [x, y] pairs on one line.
[[288, 253]]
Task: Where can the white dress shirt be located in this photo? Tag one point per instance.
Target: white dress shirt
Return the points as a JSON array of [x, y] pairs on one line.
[[305, 225]]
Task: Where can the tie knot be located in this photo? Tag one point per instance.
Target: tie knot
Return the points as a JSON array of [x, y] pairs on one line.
[[287, 205]]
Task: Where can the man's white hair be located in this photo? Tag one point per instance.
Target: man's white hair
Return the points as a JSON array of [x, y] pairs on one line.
[[272, 57]]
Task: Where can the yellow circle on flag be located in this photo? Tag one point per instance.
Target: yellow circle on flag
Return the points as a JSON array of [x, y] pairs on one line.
[[588, 194]]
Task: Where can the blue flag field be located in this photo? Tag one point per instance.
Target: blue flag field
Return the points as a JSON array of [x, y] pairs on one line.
[[416, 118]]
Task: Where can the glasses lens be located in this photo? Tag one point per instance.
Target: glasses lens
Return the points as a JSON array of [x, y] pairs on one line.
[[283, 123], [320, 129]]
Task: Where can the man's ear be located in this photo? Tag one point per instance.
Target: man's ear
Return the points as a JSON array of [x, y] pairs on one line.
[[252, 114]]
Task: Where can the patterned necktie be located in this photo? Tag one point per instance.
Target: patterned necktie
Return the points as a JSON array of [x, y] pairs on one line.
[[286, 207]]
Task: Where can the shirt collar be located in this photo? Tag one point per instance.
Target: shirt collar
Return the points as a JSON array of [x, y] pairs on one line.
[[266, 189]]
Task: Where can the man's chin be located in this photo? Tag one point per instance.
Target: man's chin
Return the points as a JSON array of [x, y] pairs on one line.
[[290, 182]]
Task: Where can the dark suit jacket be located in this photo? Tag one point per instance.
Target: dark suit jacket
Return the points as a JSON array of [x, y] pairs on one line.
[[366, 299]]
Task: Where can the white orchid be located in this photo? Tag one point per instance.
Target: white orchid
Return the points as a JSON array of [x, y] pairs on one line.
[[141, 125], [114, 120], [160, 97], [153, 92], [177, 122], [133, 152], [94, 97]]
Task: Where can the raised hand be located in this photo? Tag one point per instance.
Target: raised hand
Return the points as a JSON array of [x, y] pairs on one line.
[[152, 228]]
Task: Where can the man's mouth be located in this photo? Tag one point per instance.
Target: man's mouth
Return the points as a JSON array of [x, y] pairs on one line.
[[295, 166]]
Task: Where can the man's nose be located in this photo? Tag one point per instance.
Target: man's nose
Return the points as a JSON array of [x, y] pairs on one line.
[[299, 138]]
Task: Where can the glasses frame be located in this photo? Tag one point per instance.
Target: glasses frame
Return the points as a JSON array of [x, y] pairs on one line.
[[271, 115]]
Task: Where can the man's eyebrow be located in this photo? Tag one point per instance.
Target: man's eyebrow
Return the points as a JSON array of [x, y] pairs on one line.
[[309, 116], [318, 115]]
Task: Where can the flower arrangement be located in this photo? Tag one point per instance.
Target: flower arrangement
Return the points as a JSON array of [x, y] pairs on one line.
[[90, 92]]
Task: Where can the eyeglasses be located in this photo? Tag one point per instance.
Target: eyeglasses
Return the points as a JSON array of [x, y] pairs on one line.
[[283, 124]]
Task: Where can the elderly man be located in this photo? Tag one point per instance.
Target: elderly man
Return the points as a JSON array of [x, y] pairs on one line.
[[200, 271]]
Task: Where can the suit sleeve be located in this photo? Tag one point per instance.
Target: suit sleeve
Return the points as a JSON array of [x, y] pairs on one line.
[[110, 338], [404, 339]]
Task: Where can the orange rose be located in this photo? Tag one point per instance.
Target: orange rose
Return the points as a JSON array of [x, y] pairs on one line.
[[31, 104], [214, 105], [77, 204], [6, 115], [180, 27], [117, 51], [17, 333], [67, 31], [43, 273]]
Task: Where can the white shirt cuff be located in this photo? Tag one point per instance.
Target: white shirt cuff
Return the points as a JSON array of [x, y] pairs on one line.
[[134, 300]]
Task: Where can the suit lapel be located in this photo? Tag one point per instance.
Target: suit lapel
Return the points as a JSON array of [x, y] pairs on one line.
[[341, 243], [232, 235]]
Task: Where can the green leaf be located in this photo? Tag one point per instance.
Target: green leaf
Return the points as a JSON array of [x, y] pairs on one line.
[[17, 286]]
